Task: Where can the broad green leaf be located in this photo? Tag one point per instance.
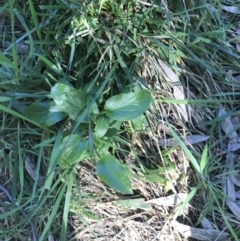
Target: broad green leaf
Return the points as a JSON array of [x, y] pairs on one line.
[[74, 148], [126, 107], [114, 127], [102, 124], [111, 172], [94, 109], [16, 114], [46, 113], [70, 100]]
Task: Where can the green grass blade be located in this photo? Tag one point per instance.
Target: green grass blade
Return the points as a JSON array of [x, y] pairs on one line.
[[69, 184], [204, 159], [16, 114], [20, 163], [55, 155], [186, 150], [186, 201], [35, 19], [53, 214]]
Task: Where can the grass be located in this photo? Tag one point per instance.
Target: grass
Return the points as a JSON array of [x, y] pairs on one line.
[[80, 150]]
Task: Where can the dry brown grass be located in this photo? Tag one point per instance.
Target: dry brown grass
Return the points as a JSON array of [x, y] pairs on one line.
[[117, 222]]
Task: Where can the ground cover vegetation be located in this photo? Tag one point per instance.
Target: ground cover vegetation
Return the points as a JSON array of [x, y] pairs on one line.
[[119, 120]]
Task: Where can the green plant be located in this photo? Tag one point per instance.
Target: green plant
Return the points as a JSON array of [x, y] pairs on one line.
[[98, 117], [76, 79]]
